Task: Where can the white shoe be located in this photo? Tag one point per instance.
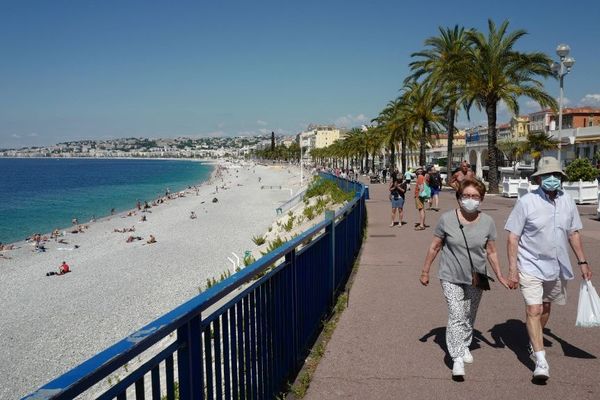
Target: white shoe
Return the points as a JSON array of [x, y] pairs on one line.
[[392, 225], [467, 356], [458, 367], [542, 370]]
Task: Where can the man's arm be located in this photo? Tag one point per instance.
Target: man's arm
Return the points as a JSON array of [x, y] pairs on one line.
[[512, 248], [453, 181], [575, 242]]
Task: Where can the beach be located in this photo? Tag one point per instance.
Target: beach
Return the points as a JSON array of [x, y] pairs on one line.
[[52, 323]]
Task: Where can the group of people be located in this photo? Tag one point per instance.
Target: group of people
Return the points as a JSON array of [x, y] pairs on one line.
[[541, 227], [428, 185]]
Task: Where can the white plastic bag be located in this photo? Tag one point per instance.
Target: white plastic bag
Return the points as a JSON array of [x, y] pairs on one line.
[[588, 309]]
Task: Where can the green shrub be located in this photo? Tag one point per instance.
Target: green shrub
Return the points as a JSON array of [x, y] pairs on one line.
[[248, 260], [278, 242], [309, 212], [289, 225], [581, 169], [258, 240], [321, 187]]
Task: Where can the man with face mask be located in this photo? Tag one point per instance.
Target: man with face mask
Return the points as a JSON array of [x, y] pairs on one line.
[[540, 226]]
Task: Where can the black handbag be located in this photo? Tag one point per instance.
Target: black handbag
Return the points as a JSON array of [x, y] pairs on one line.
[[478, 280]]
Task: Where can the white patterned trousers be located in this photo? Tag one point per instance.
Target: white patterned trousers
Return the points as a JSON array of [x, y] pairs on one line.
[[463, 301]]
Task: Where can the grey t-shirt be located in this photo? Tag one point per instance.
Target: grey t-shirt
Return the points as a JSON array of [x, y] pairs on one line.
[[454, 259]]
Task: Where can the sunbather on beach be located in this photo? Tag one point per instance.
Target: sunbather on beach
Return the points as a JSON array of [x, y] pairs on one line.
[[151, 240], [132, 238], [193, 215], [62, 269]]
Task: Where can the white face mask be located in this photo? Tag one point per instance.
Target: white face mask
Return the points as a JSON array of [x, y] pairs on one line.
[[469, 205]]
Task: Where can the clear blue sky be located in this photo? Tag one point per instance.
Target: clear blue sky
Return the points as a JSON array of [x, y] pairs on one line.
[[72, 70]]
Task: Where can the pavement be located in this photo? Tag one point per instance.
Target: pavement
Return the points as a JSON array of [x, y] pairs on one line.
[[390, 341]]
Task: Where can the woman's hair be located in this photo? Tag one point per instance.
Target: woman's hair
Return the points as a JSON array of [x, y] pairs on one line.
[[473, 182]]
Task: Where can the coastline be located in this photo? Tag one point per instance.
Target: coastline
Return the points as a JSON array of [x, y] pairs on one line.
[[213, 165], [53, 323]]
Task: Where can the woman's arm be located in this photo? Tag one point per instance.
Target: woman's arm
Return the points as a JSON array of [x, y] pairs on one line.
[[492, 256], [432, 252]]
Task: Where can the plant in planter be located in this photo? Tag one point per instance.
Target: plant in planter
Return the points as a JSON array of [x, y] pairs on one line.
[[581, 170], [582, 185]]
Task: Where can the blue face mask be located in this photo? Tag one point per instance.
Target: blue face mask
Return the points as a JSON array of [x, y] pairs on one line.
[[550, 183]]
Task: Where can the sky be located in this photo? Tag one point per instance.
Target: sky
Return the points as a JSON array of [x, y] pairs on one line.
[[73, 70]]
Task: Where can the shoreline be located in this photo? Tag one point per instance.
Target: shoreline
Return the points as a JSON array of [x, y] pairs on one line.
[[52, 323], [210, 178]]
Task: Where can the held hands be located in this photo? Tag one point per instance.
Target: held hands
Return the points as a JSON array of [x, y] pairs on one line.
[[504, 282], [513, 278]]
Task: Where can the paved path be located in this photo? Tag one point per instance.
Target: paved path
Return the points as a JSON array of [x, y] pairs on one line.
[[390, 342]]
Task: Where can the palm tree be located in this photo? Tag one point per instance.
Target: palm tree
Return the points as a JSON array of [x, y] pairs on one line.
[[422, 112], [537, 143], [441, 64], [495, 72]]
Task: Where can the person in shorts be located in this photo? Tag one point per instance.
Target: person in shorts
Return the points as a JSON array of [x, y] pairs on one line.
[[435, 182], [397, 191], [420, 201], [541, 226]]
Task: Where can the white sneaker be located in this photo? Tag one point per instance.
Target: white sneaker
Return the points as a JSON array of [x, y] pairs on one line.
[[458, 367], [467, 356], [542, 370]]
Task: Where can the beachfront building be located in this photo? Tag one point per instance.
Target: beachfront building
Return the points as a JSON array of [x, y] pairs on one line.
[[317, 137]]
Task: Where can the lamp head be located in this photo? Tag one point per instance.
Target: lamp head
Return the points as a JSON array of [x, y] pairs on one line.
[[563, 50], [569, 62], [555, 67]]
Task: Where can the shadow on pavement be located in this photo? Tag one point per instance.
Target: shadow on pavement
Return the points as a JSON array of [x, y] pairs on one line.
[[439, 337], [568, 348], [513, 334]]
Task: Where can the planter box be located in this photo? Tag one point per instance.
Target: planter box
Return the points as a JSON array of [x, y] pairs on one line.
[[525, 187], [510, 186], [582, 192]]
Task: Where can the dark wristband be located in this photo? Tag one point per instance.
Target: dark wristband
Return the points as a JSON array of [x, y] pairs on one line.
[[582, 262]]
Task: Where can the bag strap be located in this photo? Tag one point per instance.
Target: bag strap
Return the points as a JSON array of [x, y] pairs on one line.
[[461, 226]]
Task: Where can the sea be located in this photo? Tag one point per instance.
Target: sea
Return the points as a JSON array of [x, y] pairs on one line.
[[42, 194]]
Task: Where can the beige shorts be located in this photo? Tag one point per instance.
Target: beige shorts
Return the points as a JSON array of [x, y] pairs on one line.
[[538, 291], [419, 203]]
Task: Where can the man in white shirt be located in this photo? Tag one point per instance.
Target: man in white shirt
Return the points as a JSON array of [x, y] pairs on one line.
[[540, 226]]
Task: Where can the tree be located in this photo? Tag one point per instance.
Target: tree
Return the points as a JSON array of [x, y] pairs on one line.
[[494, 72], [537, 143], [441, 64]]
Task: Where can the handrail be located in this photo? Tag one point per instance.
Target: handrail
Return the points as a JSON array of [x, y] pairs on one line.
[[98, 367]]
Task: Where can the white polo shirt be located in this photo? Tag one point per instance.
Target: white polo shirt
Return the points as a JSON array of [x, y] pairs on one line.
[[544, 227]]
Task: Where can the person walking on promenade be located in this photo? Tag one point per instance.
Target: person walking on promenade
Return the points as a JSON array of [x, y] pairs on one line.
[[466, 237], [420, 200], [397, 191], [463, 172], [435, 182], [540, 226], [408, 176]]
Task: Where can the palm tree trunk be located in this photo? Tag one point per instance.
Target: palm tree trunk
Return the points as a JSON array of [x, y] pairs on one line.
[[449, 157], [490, 110], [373, 162], [393, 154], [422, 144], [403, 154]]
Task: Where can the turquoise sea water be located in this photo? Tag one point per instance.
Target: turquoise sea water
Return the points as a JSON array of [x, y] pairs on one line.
[[39, 195]]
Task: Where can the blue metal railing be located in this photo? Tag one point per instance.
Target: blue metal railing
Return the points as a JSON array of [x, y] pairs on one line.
[[244, 338]]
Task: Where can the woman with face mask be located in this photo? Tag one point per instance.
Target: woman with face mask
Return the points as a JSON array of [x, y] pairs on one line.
[[467, 238]]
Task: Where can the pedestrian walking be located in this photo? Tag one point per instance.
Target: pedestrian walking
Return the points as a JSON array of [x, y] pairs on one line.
[[421, 197], [466, 237], [397, 191], [463, 172], [541, 225], [408, 177], [435, 182]]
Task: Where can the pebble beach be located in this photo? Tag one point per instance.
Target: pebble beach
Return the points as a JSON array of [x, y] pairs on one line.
[[52, 323]]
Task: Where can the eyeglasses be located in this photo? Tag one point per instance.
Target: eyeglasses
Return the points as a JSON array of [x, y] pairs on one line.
[[470, 196]]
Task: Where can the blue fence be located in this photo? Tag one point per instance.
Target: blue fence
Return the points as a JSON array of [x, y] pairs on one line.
[[244, 338]]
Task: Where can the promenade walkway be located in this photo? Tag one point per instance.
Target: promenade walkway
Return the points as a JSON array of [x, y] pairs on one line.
[[390, 342]]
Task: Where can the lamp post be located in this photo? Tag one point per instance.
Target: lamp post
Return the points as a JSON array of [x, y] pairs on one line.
[[560, 69]]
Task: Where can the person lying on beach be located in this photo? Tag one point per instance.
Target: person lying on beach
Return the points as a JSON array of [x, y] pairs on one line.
[[143, 219], [131, 238], [193, 215], [63, 269], [55, 233], [63, 241], [151, 240]]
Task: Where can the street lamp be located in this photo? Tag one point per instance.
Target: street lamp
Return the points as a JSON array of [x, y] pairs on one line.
[[560, 69]]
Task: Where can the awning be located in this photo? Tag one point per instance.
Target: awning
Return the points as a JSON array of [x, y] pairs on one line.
[[587, 139]]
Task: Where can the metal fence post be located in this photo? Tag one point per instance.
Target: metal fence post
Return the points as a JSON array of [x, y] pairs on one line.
[[330, 230], [189, 360]]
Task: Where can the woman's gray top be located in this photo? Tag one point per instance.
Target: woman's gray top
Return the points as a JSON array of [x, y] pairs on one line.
[[454, 260]]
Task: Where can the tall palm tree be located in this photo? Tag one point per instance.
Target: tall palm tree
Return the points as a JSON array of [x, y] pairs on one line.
[[422, 111], [537, 143], [441, 64], [494, 72]]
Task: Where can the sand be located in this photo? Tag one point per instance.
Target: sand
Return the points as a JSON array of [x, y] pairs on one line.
[[51, 324]]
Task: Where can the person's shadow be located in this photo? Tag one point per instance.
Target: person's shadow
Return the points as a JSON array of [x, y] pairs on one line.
[[439, 337]]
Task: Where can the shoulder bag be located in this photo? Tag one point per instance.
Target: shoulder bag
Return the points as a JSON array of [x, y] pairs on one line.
[[479, 280]]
